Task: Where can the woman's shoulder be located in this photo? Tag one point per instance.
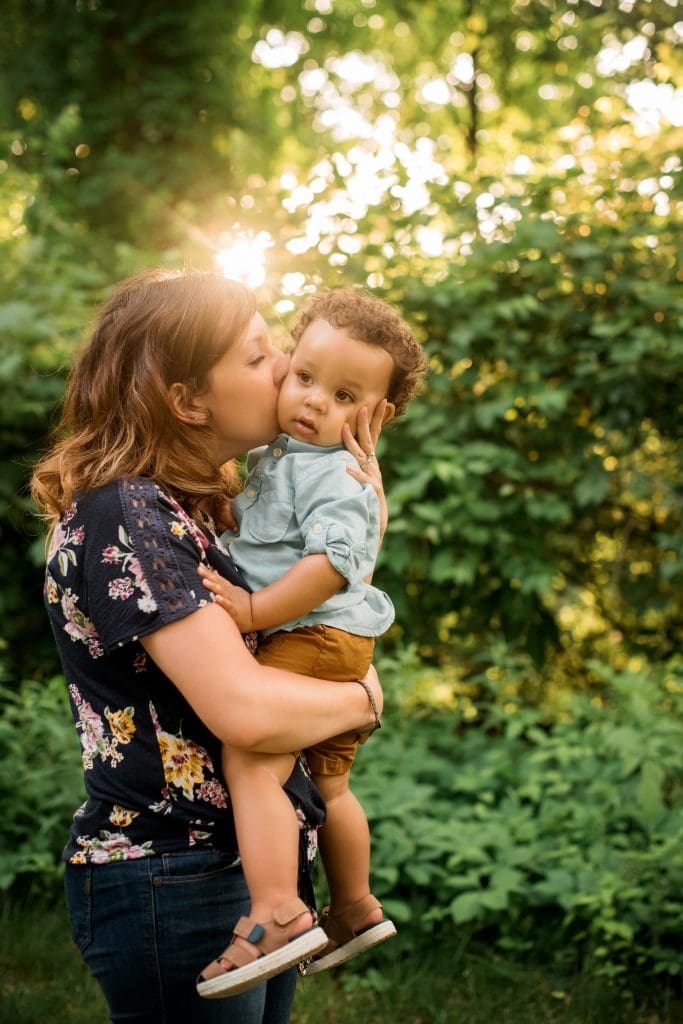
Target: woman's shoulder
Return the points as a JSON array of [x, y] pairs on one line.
[[115, 493], [124, 493], [130, 553], [140, 508]]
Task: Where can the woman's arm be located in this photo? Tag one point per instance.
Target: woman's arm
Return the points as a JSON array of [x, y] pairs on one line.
[[249, 705]]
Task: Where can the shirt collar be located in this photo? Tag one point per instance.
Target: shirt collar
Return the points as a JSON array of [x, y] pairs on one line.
[[290, 444]]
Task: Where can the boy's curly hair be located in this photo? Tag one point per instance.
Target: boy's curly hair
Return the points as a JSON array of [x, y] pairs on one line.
[[375, 322]]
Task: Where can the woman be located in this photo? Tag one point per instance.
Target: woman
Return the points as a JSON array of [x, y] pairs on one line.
[[179, 378]]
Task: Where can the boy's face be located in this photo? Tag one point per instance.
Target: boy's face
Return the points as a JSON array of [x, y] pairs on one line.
[[330, 378]]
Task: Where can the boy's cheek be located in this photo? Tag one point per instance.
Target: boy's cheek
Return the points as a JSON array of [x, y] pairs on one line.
[[352, 421]]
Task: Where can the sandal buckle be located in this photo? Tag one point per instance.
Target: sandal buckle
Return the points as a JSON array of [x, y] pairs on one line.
[[256, 934]]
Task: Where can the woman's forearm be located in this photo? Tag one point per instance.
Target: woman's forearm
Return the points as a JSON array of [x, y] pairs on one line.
[[249, 705], [323, 709]]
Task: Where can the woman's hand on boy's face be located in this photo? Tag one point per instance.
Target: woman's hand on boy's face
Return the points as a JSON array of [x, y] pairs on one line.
[[233, 600], [368, 429], [362, 447]]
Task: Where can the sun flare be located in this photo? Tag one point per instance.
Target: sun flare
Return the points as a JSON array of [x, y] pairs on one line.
[[244, 259]]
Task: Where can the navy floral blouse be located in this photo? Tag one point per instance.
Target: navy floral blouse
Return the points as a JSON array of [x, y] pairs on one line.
[[122, 564]]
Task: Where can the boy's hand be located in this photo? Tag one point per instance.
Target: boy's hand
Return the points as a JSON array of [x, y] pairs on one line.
[[235, 601]]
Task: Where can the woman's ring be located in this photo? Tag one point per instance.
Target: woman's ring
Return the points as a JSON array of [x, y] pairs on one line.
[[369, 459]]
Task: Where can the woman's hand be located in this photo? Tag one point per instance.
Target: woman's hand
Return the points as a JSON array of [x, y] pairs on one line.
[[362, 448], [227, 519]]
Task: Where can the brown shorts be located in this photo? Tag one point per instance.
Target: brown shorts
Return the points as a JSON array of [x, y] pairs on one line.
[[326, 653]]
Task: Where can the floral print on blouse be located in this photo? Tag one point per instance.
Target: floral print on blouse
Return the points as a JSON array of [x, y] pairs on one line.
[[123, 563]]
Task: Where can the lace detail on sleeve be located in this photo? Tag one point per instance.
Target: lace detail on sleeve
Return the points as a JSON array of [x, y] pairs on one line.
[[151, 534]]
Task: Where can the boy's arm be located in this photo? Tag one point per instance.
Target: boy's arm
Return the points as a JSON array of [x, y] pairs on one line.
[[309, 583], [334, 512]]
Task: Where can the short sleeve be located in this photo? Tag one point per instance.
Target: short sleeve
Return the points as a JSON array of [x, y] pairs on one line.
[[142, 553], [338, 517]]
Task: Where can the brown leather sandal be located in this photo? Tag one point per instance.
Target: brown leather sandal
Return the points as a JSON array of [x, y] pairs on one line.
[[346, 937], [235, 971]]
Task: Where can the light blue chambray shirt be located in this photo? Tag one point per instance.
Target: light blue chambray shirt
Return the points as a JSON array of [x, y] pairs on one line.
[[299, 500]]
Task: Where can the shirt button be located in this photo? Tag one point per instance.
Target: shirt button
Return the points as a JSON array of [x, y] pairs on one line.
[[251, 493], [317, 528], [277, 452]]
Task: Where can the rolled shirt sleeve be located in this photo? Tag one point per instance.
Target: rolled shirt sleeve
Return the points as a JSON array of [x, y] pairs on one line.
[[344, 527]]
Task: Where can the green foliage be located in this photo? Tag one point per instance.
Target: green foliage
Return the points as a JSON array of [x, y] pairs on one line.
[[545, 837], [45, 302], [534, 548], [54, 277], [536, 479], [85, 69], [542, 462], [40, 783], [539, 833]]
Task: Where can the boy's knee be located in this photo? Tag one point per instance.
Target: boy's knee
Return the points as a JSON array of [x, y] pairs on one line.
[[332, 786], [240, 764]]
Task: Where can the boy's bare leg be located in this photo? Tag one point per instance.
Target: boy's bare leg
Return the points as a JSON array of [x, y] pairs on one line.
[[267, 830], [344, 842]]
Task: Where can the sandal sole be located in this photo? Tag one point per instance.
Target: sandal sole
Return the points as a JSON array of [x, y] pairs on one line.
[[243, 978], [372, 936]]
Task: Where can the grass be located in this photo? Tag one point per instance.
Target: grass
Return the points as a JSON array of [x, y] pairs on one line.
[[469, 988], [43, 980], [41, 975]]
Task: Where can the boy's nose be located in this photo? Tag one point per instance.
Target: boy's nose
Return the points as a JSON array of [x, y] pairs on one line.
[[315, 399]]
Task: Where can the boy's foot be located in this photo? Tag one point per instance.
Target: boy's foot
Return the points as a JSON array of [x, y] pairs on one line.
[[259, 951], [351, 930]]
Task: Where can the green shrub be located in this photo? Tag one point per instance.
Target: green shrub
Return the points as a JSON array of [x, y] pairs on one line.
[[539, 470], [40, 783], [562, 836], [549, 834]]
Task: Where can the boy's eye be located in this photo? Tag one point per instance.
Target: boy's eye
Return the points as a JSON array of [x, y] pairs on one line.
[[256, 360], [345, 396], [304, 377]]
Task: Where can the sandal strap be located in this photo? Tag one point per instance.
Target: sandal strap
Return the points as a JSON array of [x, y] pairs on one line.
[[289, 911], [343, 925], [272, 935], [266, 937], [234, 956], [250, 930]]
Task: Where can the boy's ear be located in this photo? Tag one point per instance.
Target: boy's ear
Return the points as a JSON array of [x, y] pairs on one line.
[[184, 405], [389, 413]]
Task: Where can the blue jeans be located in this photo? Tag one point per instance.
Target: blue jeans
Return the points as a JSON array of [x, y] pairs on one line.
[[147, 927]]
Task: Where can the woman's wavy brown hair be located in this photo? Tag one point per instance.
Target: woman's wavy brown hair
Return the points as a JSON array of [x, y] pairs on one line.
[[158, 328]]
